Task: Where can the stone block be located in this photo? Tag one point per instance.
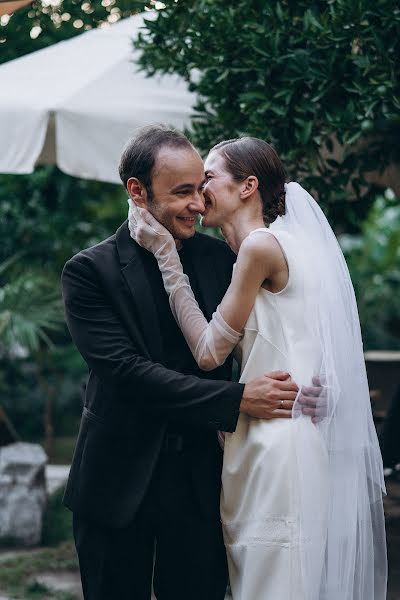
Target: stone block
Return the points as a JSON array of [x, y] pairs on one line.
[[22, 493]]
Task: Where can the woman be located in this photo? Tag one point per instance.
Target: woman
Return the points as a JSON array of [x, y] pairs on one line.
[[301, 502]]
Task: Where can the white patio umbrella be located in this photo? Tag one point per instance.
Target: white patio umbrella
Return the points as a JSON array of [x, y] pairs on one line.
[[76, 102]]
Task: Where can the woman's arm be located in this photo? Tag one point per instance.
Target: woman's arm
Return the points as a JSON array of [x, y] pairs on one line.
[[258, 259], [210, 343]]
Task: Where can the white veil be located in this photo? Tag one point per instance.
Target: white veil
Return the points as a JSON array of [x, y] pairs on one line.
[[350, 563]]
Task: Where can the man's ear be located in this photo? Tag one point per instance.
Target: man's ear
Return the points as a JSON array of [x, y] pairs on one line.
[[137, 192], [249, 186]]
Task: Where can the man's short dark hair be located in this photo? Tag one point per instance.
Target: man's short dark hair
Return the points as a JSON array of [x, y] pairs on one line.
[[140, 152]]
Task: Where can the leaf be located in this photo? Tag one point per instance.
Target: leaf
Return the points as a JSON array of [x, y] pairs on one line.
[[278, 110], [252, 96], [262, 52], [306, 132], [279, 11], [353, 138], [223, 76], [314, 21], [10, 261]]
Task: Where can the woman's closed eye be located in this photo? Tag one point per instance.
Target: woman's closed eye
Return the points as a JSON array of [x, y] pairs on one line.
[[207, 179]]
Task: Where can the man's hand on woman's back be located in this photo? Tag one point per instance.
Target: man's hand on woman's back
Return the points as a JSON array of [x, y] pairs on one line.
[[272, 396]]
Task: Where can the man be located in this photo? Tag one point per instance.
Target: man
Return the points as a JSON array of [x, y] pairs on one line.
[[145, 478]]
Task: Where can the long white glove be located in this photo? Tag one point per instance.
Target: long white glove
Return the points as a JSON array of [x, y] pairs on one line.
[[210, 343]]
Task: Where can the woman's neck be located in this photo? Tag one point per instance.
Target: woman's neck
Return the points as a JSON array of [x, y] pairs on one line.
[[238, 228]]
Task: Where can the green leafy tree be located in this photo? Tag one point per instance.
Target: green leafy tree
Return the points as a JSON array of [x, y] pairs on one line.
[[41, 24], [45, 218], [374, 262], [50, 216], [30, 309], [307, 76]]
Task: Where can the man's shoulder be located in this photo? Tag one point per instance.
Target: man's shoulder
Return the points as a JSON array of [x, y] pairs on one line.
[[96, 254]]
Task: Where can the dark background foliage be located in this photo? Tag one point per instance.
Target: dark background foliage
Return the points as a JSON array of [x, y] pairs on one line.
[[45, 218], [49, 216]]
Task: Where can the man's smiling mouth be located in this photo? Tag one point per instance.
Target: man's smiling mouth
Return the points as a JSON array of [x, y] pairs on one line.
[[188, 219]]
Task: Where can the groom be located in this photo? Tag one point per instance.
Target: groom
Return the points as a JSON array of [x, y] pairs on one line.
[[144, 484]]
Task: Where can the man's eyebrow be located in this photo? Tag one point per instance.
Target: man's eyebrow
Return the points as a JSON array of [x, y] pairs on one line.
[[183, 186]]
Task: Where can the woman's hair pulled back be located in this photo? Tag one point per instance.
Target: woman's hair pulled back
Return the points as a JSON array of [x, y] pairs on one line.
[[247, 156]]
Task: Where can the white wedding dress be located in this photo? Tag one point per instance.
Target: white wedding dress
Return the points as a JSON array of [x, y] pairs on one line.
[[260, 484]]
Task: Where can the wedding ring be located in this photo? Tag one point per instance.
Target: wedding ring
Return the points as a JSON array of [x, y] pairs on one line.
[[281, 406]]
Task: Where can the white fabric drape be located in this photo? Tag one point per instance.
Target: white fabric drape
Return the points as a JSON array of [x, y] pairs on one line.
[[354, 564]]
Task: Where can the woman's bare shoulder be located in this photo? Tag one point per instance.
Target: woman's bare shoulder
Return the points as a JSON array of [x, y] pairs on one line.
[[258, 246]]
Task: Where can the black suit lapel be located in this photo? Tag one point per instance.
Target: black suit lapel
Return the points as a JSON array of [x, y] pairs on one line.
[[134, 273]]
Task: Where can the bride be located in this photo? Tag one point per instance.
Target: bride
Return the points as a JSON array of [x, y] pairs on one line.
[[301, 502]]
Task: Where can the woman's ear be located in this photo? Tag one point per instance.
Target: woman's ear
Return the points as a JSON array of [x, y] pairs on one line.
[[249, 186], [137, 192]]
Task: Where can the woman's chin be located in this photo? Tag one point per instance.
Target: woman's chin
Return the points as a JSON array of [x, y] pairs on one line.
[[209, 220]]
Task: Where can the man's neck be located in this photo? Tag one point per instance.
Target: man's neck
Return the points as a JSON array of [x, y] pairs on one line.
[[178, 244]]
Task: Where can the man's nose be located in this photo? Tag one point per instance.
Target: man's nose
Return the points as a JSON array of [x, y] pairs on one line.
[[197, 203]]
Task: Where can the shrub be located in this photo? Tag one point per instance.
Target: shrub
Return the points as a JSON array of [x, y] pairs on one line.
[[301, 75], [374, 262]]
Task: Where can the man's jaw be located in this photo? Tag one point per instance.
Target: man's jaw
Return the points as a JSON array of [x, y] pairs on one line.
[[185, 226]]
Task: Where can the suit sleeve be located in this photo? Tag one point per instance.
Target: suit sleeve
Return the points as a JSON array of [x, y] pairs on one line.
[[111, 354]]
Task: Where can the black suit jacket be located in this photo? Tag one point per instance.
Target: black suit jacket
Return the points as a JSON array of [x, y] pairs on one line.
[[131, 396]]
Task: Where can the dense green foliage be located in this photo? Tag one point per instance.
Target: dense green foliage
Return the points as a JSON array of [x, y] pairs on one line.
[[29, 310], [45, 218], [306, 76], [49, 216], [41, 24], [374, 262]]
